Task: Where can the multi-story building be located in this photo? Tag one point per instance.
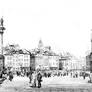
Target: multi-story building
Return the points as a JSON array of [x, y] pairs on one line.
[[89, 62], [54, 62], [72, 63], [1, 62], [63, 63], [45, 58], [17, 61], [41, 62], [46, 62], [32, 62]]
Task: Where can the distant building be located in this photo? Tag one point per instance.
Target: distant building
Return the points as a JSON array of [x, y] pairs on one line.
[[89, 58], [63, 63], [46, 62], [40, 44], [41, 62], [2, 62], [88, 62], [17, 61], [32, 62], [71, 63], [45, 58], [54, 62]]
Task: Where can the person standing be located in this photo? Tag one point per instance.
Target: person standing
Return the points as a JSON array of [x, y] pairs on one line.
[[84, 75], [39, 79], [10, 76], [30, 77], [34, 79]]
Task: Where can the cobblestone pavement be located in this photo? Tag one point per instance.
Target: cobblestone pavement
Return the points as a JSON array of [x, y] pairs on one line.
[[56, 84]]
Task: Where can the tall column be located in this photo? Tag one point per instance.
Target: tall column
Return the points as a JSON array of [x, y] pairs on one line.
[[91, 40], [2, 28], [1, 43], [90, 61]]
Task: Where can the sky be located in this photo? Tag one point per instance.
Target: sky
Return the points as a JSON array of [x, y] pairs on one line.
[[65, 25]]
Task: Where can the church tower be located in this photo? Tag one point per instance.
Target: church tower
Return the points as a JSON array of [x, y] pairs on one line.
[[40, 44]]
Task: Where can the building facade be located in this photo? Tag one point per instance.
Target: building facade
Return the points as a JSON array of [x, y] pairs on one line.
[[17, 61], [46, 62], [45, 58], [41, 62], [89, 62], [72, 63], [54, 62]]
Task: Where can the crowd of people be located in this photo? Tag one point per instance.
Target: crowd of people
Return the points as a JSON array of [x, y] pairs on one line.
[[35, 76], [72, 74]]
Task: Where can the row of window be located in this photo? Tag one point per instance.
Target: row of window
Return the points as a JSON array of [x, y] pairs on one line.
[[16, 57], [17, 64]]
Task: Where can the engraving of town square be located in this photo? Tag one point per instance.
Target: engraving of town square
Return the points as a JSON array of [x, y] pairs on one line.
[[45, 46]]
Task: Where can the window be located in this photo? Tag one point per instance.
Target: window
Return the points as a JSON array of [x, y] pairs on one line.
[[26, 64], [20, 59]]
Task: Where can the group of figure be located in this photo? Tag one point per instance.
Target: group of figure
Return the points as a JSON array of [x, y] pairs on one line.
[[35, 79], [6, 75]]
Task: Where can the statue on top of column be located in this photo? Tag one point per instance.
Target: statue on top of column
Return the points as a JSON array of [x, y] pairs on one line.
[[1, 22]]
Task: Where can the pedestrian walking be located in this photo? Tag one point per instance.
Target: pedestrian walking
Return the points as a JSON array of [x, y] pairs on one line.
[[39, 79]]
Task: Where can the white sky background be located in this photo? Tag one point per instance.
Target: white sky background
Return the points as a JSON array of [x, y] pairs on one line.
[[63, 24]]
